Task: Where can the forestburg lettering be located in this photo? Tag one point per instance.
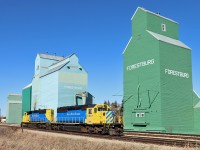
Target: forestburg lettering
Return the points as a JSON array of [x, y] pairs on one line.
[[177, 73], [140, 64]]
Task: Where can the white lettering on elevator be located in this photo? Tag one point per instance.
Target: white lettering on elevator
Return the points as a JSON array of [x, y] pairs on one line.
[[177, 73], [140, 64]]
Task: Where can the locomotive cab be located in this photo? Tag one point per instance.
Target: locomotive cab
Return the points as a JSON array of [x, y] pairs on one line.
[[26, 117], [99, 114]]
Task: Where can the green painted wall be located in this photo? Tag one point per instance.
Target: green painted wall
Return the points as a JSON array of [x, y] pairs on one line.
[[176, 91], [141, 89], [196, 104], [14, 109], [26, 99], [155, 100], [154, 24]]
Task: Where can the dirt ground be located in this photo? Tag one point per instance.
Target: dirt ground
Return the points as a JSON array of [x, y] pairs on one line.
[[12, 139]]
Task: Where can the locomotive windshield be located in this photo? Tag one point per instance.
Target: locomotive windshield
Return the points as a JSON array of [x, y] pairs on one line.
[[100, 108]]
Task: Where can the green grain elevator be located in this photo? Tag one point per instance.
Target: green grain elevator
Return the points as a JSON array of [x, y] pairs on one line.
[[158, 92], [26, 98]]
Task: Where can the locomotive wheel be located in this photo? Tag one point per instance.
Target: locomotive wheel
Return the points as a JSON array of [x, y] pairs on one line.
[[90, 130], [112, 132], [96, 130]]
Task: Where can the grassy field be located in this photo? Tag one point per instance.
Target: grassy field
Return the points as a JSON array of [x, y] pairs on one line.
[[11, 139]]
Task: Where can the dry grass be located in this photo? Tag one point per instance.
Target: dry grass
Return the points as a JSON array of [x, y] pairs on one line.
[[29, 140]]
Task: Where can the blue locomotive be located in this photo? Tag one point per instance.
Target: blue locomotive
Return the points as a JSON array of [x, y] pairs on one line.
[[97, 118]]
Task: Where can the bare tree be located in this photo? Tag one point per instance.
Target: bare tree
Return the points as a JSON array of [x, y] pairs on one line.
[[105, 102]]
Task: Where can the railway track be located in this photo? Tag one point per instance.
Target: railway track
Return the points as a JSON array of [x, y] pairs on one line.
[[148, 138], [164, 135]]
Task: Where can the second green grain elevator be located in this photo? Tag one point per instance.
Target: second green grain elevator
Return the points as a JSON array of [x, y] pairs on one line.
[[157, 77]]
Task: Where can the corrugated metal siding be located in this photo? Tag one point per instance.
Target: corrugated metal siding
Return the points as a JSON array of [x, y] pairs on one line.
[[154, 25], [146, 100], [72, 81], [35, 92], [48, 92], [15, 113], [42, 64], [67, 92], [196, 100], [176, 91], [14, 109], [26, 99]]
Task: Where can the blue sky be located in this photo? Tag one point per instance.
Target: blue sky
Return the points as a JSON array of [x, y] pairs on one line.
[[97, 31]]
